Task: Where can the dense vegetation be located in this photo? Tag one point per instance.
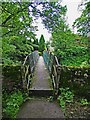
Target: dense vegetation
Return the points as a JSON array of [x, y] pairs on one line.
[[71, 49], [11, 104], [18, 38], [73, 106], [17, 32]]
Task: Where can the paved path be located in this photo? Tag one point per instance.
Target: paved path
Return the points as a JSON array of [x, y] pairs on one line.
[[40, 107], [41, 79]]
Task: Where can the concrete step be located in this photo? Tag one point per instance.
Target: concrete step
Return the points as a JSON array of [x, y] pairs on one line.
[[40, 92], [40, 109]]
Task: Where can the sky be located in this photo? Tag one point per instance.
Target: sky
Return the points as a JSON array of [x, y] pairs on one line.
[[72, 11], [72, 14], [42, 30]]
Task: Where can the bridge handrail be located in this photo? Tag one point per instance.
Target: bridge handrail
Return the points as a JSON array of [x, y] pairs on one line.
[[54, 69], [28, 68]]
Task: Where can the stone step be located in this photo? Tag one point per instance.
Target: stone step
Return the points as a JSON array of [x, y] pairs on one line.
[[40, 92]]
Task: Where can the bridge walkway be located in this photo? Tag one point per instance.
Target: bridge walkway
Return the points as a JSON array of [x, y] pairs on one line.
[[41, 79]]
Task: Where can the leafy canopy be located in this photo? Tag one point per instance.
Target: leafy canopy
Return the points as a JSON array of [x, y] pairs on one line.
[[82, 23]]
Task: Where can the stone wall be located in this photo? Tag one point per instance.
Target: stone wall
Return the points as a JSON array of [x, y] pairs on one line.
[[11, 78], [77, 79]]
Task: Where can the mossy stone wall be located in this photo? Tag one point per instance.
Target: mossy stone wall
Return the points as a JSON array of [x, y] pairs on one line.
[[76, 78], [11, 78]]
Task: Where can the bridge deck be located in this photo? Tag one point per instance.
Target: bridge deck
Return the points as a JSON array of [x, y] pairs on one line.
[[41, 79]]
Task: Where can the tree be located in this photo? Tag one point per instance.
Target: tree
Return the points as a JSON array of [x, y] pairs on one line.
[[83, 22], [16, 25], [53, 15], [41, 44]]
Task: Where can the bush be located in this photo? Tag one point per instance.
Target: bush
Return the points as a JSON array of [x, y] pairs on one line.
[[66, 96], [11, 104]]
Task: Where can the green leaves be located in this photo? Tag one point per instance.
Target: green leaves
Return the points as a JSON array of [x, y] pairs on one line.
[[16, 28], [53, 15], [12, 104], [84, 101], [82, 23], [15, 49], [71, 49], [66, 96]]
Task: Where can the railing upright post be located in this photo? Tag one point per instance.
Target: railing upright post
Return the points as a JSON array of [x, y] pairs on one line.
[[58, 77]]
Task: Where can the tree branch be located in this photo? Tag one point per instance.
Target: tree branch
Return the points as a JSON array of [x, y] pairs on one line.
[[10, 16]]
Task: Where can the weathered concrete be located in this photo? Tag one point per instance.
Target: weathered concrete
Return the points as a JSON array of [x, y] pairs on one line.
[[41, 79], [40, 108]]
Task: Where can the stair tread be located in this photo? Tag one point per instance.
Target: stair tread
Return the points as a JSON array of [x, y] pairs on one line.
[[41, 89]]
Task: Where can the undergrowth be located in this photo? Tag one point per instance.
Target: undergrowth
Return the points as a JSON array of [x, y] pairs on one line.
[[66, 95], [67, 99], [11, 103]]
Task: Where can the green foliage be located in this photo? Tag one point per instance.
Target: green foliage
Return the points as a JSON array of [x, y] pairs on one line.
[[76, 61], [14, 50], [82, 23], [53, 15], [15, 19], [84, 101], [41, 44], [19, 39], [71, 49], [66, 96], [17, 32], [11, 104]]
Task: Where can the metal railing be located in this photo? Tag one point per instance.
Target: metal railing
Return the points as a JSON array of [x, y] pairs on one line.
[[28, 68], [54, 69]]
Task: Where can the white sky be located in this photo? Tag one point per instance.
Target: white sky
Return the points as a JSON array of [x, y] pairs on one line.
[[72, 14], [42, 30], [72, 10]]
